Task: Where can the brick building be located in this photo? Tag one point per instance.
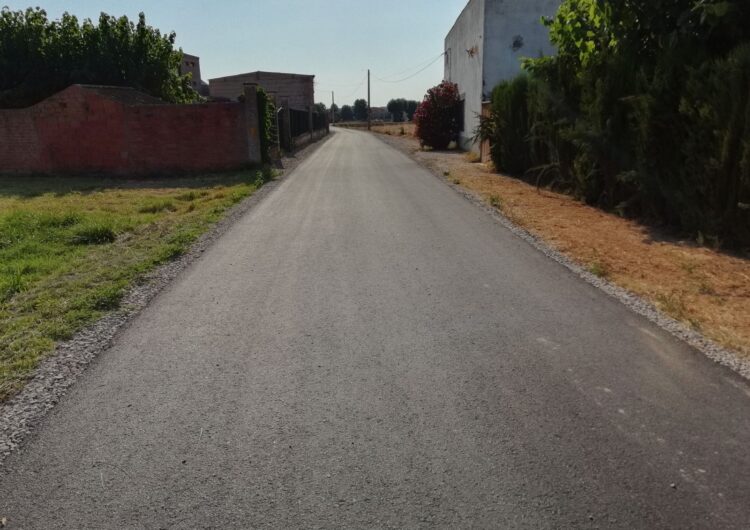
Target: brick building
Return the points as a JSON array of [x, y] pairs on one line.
[[297, 89], [191, 64]]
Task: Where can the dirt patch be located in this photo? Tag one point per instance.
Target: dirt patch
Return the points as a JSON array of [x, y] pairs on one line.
[[708, 291]]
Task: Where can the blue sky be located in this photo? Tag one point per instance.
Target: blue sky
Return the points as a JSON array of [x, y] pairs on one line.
[[337, 40]]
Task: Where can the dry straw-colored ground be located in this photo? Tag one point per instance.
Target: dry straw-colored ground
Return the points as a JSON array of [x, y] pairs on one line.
[[706, 289]]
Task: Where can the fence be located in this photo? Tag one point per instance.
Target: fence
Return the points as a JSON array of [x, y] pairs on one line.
[[294, 127]]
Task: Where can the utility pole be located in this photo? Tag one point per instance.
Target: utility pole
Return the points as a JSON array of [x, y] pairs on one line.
[[333, 108], [369, 112]]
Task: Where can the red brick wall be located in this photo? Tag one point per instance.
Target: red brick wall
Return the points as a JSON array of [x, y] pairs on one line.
[[80, 131]]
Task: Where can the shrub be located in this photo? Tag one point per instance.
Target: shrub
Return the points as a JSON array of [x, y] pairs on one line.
[[437, 117], [509, 145], [158, 206], [94, 234], [646, 116]]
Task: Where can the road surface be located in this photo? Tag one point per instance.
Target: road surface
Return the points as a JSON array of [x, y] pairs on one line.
[[367, 349]]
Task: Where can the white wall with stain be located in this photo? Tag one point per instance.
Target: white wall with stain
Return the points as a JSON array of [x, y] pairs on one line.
[[486, 45]]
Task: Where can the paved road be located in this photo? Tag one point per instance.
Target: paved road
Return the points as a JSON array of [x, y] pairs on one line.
[[367, 349]]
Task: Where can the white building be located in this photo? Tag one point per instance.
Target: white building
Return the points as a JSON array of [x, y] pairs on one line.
[[486, 45]]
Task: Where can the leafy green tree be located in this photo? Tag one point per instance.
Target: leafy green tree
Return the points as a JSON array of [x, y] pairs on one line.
[[347, 113], [400, 107], [411, 108], [397, 107], [39, 57], [360, 110]]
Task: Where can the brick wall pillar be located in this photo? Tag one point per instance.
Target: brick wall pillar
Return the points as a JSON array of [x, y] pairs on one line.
[[252, 124], [286, 115]]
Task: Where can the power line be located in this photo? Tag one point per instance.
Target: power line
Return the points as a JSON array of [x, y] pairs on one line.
[[401, 72], [355, 90], [432, 61], [334, 85]]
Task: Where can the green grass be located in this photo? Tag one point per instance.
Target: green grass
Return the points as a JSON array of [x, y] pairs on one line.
[[71, 247]]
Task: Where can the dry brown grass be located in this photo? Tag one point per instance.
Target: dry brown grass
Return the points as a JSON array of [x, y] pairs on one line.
[[395, 129], [703, 288]]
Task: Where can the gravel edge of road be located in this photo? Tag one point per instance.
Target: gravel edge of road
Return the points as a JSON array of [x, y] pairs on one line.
[[57, 373], [714, 351]]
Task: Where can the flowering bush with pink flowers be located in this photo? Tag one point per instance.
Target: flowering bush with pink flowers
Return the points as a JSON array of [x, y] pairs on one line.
[[437, 116]]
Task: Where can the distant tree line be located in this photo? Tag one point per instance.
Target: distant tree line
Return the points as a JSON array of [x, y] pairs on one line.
[[39, 57], [401, 109]]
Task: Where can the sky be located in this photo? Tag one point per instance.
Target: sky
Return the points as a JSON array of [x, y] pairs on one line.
[[336, 40]]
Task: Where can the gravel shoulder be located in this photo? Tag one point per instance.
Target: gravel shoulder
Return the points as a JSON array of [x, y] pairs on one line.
[[56, 374]]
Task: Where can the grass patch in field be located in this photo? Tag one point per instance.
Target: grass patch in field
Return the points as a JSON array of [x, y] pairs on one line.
[[156, 206], [599, 269], [495, 201], [94, 234], [71, 247], [673, 304], [473, 157]]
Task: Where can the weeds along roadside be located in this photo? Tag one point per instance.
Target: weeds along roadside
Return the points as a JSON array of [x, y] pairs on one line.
[[71, 247]]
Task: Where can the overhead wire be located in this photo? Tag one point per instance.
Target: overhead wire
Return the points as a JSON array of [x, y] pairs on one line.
[[432, 61], [358, 87]]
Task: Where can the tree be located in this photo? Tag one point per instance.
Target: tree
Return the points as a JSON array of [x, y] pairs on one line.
[[320, 108], [411, 108], [347, 114], [334, 113], [397, 107], [400, 107], [360, 110], [437, 116], [39, 57]]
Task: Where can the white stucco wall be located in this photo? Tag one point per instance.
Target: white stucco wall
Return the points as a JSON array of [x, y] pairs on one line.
[[513, 30], [499, 34], [463, 68]]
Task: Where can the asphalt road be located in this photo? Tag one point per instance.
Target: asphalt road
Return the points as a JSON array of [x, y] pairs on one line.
[[367, 349]]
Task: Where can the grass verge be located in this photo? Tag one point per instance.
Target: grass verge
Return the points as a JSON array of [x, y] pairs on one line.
[[71, 247]]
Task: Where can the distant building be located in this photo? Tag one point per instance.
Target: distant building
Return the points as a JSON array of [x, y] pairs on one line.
[[486, 45], [298, 89], [191, 64], [380, 113]]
